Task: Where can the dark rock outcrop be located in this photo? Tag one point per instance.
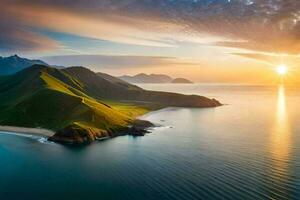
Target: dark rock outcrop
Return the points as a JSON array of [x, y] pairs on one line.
[[77, 135], [139, 128], [74, 134]]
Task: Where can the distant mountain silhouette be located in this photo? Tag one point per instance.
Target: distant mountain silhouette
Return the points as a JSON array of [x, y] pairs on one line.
[[145, 78], [117, 81], [13, 64], [153, 78], [181, 80]]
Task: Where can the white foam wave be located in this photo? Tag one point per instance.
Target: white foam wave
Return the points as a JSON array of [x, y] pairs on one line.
[[40, 139]]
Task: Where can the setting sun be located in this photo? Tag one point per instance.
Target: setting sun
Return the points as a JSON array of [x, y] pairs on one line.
[[282, 69]]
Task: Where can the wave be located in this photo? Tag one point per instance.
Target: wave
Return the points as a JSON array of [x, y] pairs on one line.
[[159, 127], [38, 138]]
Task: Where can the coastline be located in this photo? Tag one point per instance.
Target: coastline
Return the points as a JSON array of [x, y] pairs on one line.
[[137, 128], [29, 131]]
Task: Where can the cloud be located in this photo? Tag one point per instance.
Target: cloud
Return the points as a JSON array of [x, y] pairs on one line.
[[98, 62], [102, 26], [16, 36], [273, 59], [261, 25]]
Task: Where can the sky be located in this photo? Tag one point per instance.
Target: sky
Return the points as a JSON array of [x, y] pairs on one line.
[[230, 41]]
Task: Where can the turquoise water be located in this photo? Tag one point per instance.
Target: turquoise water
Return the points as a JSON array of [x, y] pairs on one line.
[[248, 149]]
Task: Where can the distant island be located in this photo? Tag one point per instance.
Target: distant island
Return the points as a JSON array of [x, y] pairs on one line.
[[153, 78], [81, 106], [181, 80]]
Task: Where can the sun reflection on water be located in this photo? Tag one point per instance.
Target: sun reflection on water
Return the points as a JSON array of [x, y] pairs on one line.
[[281, 132], [281, 109], [280, 144]]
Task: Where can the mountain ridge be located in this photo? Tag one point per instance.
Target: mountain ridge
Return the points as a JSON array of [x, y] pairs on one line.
[[12, 64]]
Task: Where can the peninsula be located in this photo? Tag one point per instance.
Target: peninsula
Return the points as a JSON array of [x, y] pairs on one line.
[[81, 106]]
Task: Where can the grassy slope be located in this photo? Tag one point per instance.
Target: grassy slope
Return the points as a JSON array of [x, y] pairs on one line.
[[53, 104], [112, 89]]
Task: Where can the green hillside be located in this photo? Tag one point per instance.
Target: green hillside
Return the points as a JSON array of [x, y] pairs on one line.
[[79, 104], [101, 87]]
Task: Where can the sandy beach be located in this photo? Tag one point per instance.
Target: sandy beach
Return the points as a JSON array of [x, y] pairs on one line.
[[31, 131]]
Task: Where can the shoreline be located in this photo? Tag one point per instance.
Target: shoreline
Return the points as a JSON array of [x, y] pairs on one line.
[[137, 128], [29, 131]]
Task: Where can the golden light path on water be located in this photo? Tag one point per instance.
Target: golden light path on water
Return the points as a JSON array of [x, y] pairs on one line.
[[280, 146]]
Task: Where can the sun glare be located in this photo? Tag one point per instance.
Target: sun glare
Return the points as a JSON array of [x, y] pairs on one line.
[[282, 70]]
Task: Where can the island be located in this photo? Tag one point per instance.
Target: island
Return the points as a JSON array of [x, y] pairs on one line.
[[81, 106], [181, 80], [152, 78]]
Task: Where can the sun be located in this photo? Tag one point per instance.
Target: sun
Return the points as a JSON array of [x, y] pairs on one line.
[[282, 70]]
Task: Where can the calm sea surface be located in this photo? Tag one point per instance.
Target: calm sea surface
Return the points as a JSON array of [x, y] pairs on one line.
[[248, 149]]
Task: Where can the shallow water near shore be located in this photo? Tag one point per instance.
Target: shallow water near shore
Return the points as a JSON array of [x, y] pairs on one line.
[[247, 149]]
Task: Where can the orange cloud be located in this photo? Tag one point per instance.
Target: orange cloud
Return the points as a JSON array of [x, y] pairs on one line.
[[269, 26], [148, 31], [17, 36]]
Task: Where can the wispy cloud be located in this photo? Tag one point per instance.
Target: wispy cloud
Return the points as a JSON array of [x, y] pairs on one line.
[[100, 62], [18, 36], [273, 59], [261, 25]]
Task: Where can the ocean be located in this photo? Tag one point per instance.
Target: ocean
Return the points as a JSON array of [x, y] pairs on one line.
[[247, 149]]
